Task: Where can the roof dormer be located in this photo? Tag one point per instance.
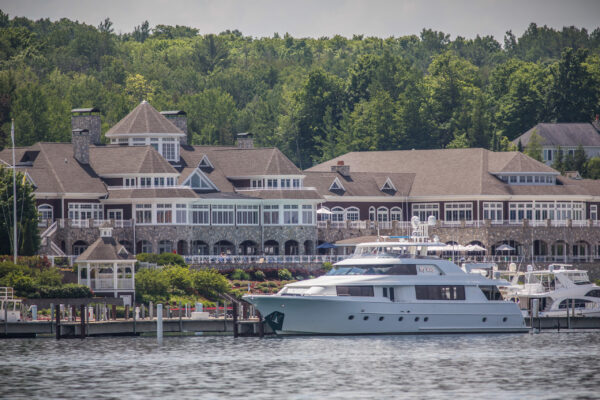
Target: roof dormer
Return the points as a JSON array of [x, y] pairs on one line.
[[205, 164], [388, 186], [336, 186]]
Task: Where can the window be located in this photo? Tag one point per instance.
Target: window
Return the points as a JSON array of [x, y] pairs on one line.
[[223, 214], [286, 183], [171, 181], [45, 212], [272, 183], [522, 179], [579, 303], [130, 182], [382, 214], [593, 293], [82, 211], [138, 142], [159, 181], [271, 214], [439, 292], [424, 210], [164, 213], [154, 143], [169, 151], [519, 211], [200, 214], [307, 214], [396, 214], [290, 214], [181, 213], [458, 211], [548, 155], [363, 291], [165, 246], [145, 182], [544, 211], [338, 214], [296, 183], [257, 183], [513, 179], [247, 215], [398, 269], [115, 214], [594, 212], [352, 214], [143, 213], [371, 213], [492, 211]]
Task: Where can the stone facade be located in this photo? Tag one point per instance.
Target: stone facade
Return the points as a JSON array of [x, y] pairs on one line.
[[305, 236], [81, 145]]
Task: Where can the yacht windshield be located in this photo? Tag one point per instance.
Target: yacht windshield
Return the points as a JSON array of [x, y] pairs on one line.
[[397, 269]]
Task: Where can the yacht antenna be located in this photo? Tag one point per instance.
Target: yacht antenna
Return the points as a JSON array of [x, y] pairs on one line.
[[15, 245]]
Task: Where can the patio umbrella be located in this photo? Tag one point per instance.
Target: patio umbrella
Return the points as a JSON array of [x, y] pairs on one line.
[[324, 211], [475, 247], [326, 245], [505, 247]]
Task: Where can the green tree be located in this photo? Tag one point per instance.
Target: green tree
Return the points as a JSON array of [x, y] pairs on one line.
[[211, 115], [534, 147], [459, 142], [580, 161], [28, 240], [593, 168]]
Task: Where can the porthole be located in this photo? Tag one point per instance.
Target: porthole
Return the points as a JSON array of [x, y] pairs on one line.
[[400, 318], [416, 319], [351, 317], [484, 319], [366, 317], [504, 319], [381, 318], [426, 319]]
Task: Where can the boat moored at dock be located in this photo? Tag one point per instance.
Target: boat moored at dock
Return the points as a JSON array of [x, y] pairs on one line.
[[391, 287]]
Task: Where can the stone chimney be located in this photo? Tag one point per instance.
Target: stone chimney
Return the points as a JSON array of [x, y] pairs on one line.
[[88, 119], [340, 168], [245, 141], [80, 138], [179, 119]]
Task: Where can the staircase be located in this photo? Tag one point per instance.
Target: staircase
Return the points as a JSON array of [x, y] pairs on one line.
[[51, 248]]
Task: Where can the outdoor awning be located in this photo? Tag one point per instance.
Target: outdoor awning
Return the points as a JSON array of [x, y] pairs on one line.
[[326, 245]]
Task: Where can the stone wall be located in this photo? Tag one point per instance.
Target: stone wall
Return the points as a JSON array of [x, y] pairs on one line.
[[187, 233], [90, 122]]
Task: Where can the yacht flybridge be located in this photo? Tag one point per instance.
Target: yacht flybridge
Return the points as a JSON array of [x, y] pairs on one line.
[[391, 287]]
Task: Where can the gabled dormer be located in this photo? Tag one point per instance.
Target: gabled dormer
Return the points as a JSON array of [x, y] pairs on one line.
[[205, 164], [388, 186], [336, 186], [199, 181]]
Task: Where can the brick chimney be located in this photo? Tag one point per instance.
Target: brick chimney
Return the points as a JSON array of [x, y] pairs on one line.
[[340, 168], [88, 119], [179, 119], [245, 141], [81, 138]]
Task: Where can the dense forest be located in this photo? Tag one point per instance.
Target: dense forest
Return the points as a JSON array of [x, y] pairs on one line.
[[314, 98]]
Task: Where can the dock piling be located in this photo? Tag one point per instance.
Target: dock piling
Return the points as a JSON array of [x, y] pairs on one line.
[[57, 313], [82, 311], [159, 322]]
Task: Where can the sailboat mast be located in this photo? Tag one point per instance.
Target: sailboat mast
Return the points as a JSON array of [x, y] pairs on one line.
[[12, 136]]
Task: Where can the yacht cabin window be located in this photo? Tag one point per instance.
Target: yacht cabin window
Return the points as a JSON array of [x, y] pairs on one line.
[[363, 291], [439, 292]]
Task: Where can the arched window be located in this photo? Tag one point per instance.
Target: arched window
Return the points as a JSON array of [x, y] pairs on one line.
[[382, 214], [396, 214], [371, 213], [338, 214], [165, 246], [352, 214], [45, 212]]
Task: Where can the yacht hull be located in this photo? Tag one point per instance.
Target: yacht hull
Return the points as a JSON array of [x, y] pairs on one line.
[[337, 315]]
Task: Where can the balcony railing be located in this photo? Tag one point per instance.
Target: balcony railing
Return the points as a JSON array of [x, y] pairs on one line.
[[457, 224], [109, 284], [95, 223], [282, 259]]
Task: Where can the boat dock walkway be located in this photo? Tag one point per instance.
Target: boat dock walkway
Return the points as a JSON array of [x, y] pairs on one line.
[[131, 327]]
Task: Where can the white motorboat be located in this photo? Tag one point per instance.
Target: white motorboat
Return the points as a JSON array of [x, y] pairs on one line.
[[560, 289], [10, 307], [389, 287]]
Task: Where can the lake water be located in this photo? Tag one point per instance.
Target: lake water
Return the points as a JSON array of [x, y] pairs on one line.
[[549, 365]]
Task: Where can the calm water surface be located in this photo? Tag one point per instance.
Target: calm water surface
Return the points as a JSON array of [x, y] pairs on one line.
[[554, 365]]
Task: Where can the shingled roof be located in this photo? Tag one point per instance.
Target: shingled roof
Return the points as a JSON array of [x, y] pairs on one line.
[[108, 160], [144, 119], [450, 172], [562, 134], [105, 249]]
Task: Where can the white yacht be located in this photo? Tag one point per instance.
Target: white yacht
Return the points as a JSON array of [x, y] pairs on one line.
[[388, 287], [558, 288]]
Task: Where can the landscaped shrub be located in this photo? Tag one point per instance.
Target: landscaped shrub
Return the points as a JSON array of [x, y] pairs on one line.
[[239, 275], [67, 291], [284, 275], [259, 275]]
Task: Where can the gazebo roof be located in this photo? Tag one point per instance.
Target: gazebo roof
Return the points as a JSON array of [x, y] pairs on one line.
[[105, 249]]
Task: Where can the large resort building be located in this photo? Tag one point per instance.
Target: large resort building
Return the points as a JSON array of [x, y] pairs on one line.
[[159, 194]]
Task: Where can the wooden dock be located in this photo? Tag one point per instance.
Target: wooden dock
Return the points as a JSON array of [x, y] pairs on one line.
[[130, 327]]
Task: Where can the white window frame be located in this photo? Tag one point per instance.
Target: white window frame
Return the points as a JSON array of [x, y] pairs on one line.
[[223, 214], [424, 210], [113, 213], [45, 212], [383, 214], [458, 211], [353, 214], [85, 211], [396, 214], [164, 214], [271, 214], [143, 214], [291, 214], [593, 212], [308, 216], [517, 211], [337, 214], [181, 212], [199, 214], [247, 214], [493, 210]]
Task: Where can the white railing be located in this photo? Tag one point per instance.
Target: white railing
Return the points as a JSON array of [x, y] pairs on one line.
[[55, 248], [79, 223], [384, 224], [95, 223], [242, 189], [337, 224], [358, 224], [58, 260], [109, 284], [300, 259], [50, 230]]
